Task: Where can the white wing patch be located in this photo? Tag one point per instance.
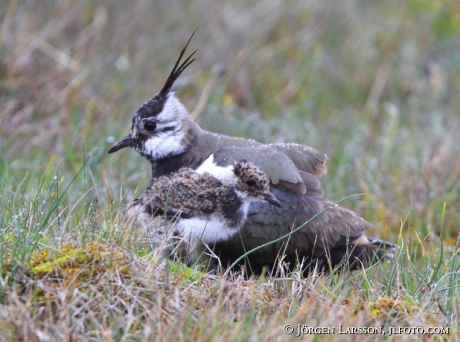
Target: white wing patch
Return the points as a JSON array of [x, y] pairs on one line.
[[224, 174]]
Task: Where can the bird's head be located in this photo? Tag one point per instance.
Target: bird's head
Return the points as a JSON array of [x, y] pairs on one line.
[[160, 128], [252, 181]]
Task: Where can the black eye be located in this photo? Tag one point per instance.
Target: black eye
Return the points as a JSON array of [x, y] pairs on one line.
[[150, 126], [251, 183]]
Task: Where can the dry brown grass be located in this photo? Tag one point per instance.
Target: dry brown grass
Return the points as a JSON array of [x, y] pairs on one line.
[[102, 292]]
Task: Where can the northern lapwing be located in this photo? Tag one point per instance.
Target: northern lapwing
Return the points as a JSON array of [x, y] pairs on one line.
[[200, 207], [166, 135]]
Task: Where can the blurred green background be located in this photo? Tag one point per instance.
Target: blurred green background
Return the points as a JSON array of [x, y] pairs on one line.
[[373, 84]]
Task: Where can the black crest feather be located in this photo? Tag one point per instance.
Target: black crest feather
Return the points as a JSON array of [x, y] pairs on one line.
[[177, 70], [155, 105]]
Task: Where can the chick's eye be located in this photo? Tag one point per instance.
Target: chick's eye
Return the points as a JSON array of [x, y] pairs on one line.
[[150, 126], [251, 183]]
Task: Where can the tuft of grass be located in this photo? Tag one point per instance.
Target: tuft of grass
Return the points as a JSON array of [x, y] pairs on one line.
[[112, 287]]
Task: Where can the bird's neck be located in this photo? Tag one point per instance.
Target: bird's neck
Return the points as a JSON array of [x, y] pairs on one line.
[[199, 145]]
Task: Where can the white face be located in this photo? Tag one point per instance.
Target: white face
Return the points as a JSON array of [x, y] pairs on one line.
[[163, 144], [161, 135]]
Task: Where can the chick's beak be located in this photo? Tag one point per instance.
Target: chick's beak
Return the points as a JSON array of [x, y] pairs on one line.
[[124, 142], [268, 196]]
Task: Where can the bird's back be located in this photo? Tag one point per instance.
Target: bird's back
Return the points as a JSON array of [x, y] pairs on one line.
[[184, 192]]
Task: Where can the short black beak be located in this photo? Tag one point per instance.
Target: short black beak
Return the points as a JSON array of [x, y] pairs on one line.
[[272, 199], [124, 142]]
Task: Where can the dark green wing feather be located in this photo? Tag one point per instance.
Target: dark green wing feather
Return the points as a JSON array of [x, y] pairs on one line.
[[277, 166], [304, 157], [336, 227]]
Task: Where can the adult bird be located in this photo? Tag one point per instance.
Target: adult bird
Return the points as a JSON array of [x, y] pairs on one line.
[[166, 135]]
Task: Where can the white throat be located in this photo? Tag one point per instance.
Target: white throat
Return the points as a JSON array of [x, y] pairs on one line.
[[164, 144]]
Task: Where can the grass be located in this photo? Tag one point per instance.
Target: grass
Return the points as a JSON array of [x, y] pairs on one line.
[[374, 85]]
